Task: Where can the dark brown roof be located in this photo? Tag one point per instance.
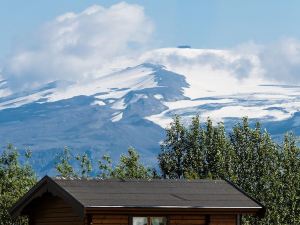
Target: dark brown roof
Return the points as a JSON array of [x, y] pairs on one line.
[[156, 193], [162, 194]]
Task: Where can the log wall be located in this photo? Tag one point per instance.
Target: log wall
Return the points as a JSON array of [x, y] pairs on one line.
[[222, 219], [203, 220], [54, 211], [110, 220], [172, 219]]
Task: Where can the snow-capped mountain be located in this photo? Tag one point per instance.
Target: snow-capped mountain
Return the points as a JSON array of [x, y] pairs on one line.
[[131, 106]]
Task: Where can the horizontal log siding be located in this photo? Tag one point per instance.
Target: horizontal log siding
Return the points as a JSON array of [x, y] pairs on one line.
[[187, 220], [110, 220], [54, 211], [223, 219], [202, 220], [213, 219]]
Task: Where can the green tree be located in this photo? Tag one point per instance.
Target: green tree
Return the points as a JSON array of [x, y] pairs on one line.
[[194, 160], [15, 181], [256, 167], [217, 151], [173, 150], [63, 166], [105, 167], [85, 165], [130, 166], [195, 152], [247, 156], [289, 191]]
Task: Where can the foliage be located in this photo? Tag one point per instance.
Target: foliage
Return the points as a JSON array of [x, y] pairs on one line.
[[289, 189], [63, 166], [66, 165], [105, 167], [173, 150], [247, 156], [85, 165], [129, 166], [15, 181], [195, 152], [256, 167]]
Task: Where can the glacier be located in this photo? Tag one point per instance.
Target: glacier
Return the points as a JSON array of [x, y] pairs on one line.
[[132, 106]]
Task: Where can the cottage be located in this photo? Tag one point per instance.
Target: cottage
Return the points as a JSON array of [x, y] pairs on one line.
[[135, 202]]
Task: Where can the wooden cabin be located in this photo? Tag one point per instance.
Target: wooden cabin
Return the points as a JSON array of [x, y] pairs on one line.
[[135, 202]]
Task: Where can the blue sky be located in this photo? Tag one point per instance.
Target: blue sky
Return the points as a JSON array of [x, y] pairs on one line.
[[201, 24]]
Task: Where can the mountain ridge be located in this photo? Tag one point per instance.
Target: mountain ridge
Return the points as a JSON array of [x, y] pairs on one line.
[[132, 106]]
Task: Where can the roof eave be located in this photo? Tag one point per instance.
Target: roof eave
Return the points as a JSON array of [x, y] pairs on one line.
[[172, 209], [262, 211], [45, 185]]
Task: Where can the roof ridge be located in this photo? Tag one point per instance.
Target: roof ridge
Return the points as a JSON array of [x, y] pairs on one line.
[[135, 179]]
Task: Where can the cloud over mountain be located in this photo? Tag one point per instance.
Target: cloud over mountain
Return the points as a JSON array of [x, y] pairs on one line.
[[78, 45], [99, 40], [281, 60]]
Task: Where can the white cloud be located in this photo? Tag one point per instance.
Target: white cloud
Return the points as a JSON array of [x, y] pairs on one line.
[[277, 62], [209, 71], [281, 61], [79, 45]]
